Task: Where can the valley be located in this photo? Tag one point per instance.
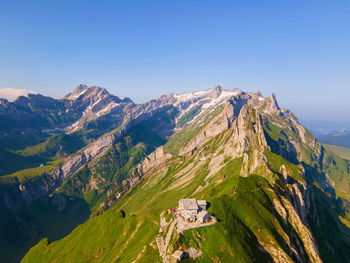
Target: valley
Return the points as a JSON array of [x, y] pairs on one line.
[[279, 195]]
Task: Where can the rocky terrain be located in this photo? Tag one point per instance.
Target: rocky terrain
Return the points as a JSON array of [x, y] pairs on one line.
[[278, 193]]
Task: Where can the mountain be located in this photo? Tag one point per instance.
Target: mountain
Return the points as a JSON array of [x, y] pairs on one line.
[[29, 119], [278, 194], [73, 164], [340, 138]]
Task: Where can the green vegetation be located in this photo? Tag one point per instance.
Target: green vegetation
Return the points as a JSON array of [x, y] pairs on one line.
[[189, 116], [343, 152], [276, 161], [332, 235], [190, 131], [257, 214], [248, 207], [32, 173], [338, 171], [21, 231], [85, 192], [110, 236], [113, 167], [11, 161], [243, 205], [56, 146]]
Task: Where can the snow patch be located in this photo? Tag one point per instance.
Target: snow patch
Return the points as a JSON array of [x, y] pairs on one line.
[[205, 99], [107, 109], [76, 125], [74, 96]]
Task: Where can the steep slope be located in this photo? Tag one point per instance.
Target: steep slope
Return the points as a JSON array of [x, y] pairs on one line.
[[85, 169], [92, 102], [29, 119], [279, 195]]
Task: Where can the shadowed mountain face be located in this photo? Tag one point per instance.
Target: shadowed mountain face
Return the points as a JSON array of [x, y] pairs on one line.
[[277, 192], [28, 120]]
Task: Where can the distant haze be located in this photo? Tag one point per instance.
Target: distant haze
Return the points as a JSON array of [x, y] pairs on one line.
[[11, 94]]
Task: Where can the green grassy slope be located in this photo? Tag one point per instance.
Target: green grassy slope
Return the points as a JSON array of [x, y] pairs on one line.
[[258, 219], [343, 152], [244, 206], [85, 192], [11, 161], [21, 230], [329, 178], [58, 145], [112, 235]]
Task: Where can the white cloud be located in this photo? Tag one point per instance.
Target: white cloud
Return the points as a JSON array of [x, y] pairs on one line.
[[12, 94]]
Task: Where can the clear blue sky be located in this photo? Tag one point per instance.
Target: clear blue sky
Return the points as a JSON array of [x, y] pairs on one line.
[[298, 49]]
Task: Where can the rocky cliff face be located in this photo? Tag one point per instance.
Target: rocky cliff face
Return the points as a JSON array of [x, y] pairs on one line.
[[241, 114], [243, 150], [93, 102], [240, 132]]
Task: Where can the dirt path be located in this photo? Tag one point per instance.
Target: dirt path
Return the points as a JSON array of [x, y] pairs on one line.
[[169, 234], [162, 246]]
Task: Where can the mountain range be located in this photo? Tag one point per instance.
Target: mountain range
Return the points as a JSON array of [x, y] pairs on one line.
[[86, 178], [338, 137]]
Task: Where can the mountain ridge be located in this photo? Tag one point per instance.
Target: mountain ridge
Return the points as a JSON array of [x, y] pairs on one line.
[[228, 146], [249, 136]]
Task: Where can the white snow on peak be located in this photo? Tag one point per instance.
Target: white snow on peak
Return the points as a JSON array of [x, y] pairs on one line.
[[205, 93], [89, 114], [207, 99], [95, 103], [224, 96], [107, 109]]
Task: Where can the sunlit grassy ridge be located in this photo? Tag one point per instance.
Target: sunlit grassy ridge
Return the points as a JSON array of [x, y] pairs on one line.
[[249, 223], [58, 145], [242, 204], [83, 194], [31, 173]]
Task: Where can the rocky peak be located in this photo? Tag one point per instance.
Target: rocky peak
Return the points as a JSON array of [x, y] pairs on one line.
[[247, 132], [92, 93], [216, 92], [77, 92], [270, 105], [127, 100]]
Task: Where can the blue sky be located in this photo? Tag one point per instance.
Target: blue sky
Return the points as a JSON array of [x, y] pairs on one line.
[[299, 50]]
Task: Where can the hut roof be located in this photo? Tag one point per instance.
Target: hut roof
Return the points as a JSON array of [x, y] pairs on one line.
[[201, 202], [189, 204]]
